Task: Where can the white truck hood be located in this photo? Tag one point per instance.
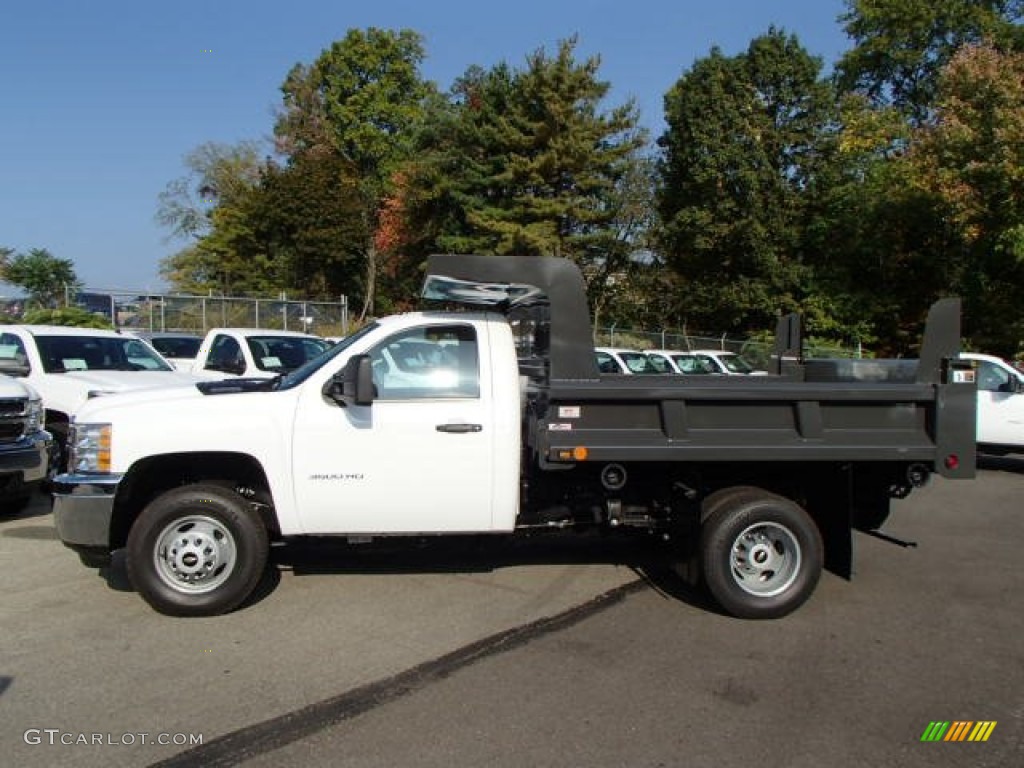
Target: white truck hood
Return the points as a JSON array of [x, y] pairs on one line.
[[161, 400], [108, 382]]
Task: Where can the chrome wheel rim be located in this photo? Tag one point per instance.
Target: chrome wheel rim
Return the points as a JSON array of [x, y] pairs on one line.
[[195, 554], [765, 559]]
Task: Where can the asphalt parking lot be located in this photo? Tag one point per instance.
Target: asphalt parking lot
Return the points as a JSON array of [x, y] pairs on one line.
[[550, 652]]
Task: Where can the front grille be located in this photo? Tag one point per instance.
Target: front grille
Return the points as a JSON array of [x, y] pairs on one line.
[[9, 407], [12, 419], [10, 431]]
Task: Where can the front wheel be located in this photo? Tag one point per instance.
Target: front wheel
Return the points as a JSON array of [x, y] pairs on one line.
[[761, 555], [198, 550]]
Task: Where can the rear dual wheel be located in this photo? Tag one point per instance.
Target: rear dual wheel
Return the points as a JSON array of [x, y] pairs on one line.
[[761, 554]]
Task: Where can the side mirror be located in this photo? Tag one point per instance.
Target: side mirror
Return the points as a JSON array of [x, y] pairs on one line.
[[14, 368], [354, 385], [234, 367]]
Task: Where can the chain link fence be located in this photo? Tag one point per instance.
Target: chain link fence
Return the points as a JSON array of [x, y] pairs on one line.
[[198, 314], [756, 351]]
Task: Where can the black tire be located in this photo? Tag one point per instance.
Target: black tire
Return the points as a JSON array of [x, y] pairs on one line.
[[687, 564], [198, 550], [761, 554], [17, 496], [724, 496], [12, 505]]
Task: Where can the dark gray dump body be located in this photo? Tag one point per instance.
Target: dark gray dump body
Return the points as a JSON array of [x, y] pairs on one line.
[[821, 411]]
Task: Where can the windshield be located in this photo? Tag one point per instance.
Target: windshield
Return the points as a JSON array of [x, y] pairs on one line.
[[61, 354], [638, 362], [281, 354], [303, 372], [736, 364], [177, 346]]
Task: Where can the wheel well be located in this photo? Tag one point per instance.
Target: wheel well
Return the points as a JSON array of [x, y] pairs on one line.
[[152, 476], [58, 418], [829, 494]]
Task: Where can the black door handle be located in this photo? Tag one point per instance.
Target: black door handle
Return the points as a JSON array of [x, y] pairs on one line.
[[460, 429]]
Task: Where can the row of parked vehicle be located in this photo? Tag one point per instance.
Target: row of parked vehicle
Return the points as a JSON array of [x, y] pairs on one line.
[[1000, 413], [51, 371], [690, 362], [56, 369]]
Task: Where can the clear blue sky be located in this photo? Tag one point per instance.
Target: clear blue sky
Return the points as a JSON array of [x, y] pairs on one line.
[[103, 98]]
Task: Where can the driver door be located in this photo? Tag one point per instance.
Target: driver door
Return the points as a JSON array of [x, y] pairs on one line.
[[419, 459]]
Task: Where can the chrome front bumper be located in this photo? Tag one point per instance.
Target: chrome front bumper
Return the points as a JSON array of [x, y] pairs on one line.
[[83, 507], [28, 456]]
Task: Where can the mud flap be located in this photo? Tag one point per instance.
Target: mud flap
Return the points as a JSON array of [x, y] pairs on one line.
[[830, 504]]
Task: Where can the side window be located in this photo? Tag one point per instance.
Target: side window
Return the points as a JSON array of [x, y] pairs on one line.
[[637, 362], [606, 363], [225, 355], [429, 362], [690, 364], [992, 378], [13, 360], [660, 364], [708, 364]]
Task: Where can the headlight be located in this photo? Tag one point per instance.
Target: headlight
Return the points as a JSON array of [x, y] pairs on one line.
[[89, 448], [100, 392], [33, 416]]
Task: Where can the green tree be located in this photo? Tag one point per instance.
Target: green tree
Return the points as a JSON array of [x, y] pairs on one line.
[[47, 280], [623, 272], [364, 100], [218, 175], [882, 218], [880, 248], [67, 316], [229, 257], [900, 46], [212, 206], [309, 222], [528, 162], [257, 227], [972, 159], [740, 152]]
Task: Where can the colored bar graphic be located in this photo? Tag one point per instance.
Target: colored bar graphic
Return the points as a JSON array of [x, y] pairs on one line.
[[982, 731], [958, 730]]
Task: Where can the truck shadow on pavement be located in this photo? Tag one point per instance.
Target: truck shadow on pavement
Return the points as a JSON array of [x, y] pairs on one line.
[[39, 504], [646, 557], [116, 576], [649, 558]]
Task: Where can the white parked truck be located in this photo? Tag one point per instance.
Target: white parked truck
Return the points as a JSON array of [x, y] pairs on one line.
[[24, 445], [254, 353], [703, 361], [497, 421], [1000, 404], [67, 366]]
